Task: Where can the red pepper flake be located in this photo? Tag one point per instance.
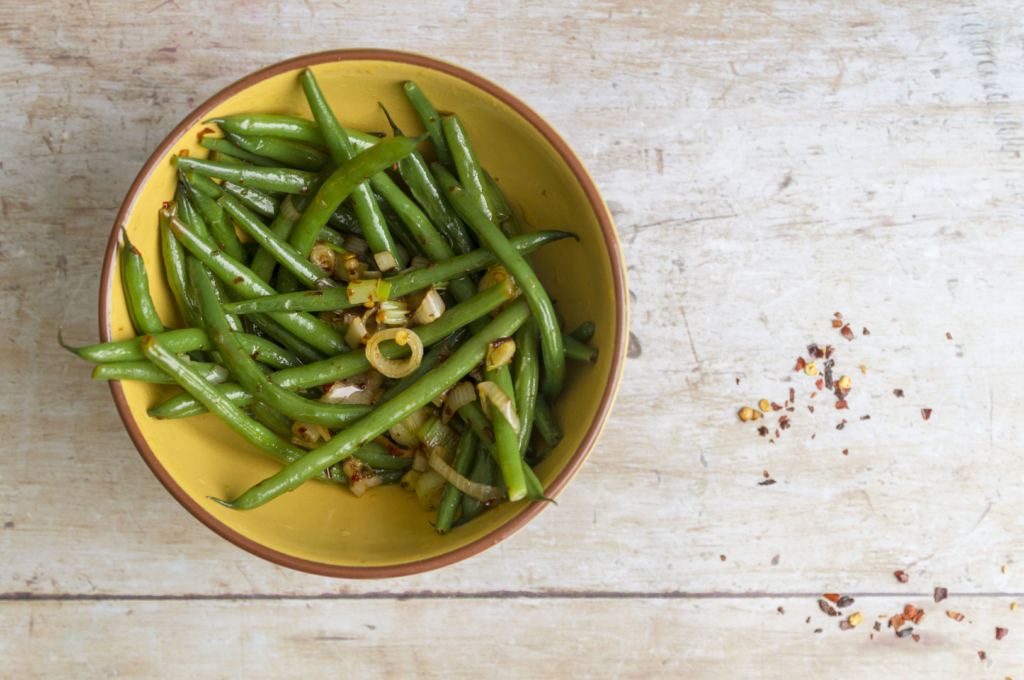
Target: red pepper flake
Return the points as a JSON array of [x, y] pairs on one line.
[[1001, 633], [926, 413], [948, 336], [878, 626], [811, 409], [865, 417], [847, 333], [777, 433], [866, 332], [202, 133], [183, 153], [723, 558], [820, 384], [781, 610], [767, 482], [909, 612], [827, 608], [838, 315], [737, 381], [841, 404], [836, 323], [901, 576], [845, 625], [917, 638], [813, 436], [791, 409], [832, 597], [238, 279], [766, 475], [829, 350], [941, 594], [166, 205], [846, 452], [896, 621], [800, 363], [817, 630], [898, 392], [763, 431], [771, 441], [776, 407], [792, 395], [784, 422]]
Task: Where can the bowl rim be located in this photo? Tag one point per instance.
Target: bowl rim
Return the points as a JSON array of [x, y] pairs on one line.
[[618, 348]]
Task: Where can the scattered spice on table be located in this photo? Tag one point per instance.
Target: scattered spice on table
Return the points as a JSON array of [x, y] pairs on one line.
[[763, 431], [781, 610], [811, 409], [766, 475], [838, 315], [926, 413], [896, 621], [767, 482], [723, 558], [866, 332], [845, 625], [800, 363], [836, 323], [827, 608], [904, 633], [909, 612], [898, 392], [841, 404], [917, 638], [981, 655], [878, 626], [1001, 633], [846, 452], [847, 332], [817, 630], [844, 602], [1013, 606], [832, 597], [941, 594], [948, 336], [865, 417], [901, 576], [955, 615]]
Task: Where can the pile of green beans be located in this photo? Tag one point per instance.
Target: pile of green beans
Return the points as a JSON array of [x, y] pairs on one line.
[[273, 329]]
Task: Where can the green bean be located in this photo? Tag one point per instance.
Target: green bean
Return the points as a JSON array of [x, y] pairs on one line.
[[504, 216], [276, 422], [143, 371], [390, 477], [286, 127], [402, 284], [135, 282], [399, 408], [374, 229], [254, 433], [286, 180], [240, 278], [452, 497], [379, 458], [544, 421], [354, 363], [174, 266], [223, 231], [251, 378], [442, 348], [223, 146], [256, 200], [399, 231], [527, 380], [189, 214], [344, 218], [473, 414], [184, 405], [284, 151], [534, 489], [431, 120], [271, 328], [470, 173], [540, 304], [182, 341], [574, 349], [584, 332], [308, 273], [506, 440], [485, 471]]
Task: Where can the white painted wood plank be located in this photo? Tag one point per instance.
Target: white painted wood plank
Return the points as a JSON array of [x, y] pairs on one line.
[[509, 638], [898, 128]]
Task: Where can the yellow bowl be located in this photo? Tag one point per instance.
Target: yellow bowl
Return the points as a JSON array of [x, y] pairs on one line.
[[317, 528]]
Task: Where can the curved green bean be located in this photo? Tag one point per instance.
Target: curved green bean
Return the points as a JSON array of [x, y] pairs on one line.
[[285, 180], [240, 278], [402, 284], [222, 230], [185, 405], [135, 282], [276, 422], [249, 375], [544, 421], [584, 332], [431, 120], [504, 216], [574, 349], [506, 440], [144, 371], [492, 238], [256, 434], [174, 267], [254, 199], [284, 151], [285, 127], [374, 229], [189, 214], [452, 497], [485, 471], [375, 424], [379, 458]]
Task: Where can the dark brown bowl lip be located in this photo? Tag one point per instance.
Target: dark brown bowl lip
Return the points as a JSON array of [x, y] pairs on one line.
[[618, 349]]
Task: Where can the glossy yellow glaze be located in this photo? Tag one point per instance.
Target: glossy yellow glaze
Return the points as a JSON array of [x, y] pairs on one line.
[[327, 524]]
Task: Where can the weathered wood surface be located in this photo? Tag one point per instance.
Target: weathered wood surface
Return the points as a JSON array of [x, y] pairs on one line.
[[767, 163]]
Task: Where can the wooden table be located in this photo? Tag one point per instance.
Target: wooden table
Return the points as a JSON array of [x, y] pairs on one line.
[[768, 164]]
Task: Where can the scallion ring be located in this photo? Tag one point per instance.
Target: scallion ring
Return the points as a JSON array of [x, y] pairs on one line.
[[390, 367]]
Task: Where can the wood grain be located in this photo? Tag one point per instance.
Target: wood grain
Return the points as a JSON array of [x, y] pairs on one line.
[[767, 163]]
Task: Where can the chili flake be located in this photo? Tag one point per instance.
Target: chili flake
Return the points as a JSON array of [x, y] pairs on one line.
[[904, 633], [866, 332], [845, 625], [898, 393], [896, 621], [847, 333], [901, 576], [864, 369], [845, 602], [846, 452], [955, 615], [1001, 633], [878, 626], [917, 638], [811, 409], [836, 323], [832, 597], [909, 612], [763, 431], [926, 413], [841, 404], [981, 655], [764, 405], [800, 363], [941, 594], [827, 608], [865, 417], [948, 336], [811, 369], [767, 482]]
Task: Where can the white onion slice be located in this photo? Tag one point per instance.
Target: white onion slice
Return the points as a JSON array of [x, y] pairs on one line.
[[390, 367], [385, 261], [461, 394], [361, 476], [288, 210], [500, 353], [428, 310], [491, 392], [481, 492]]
